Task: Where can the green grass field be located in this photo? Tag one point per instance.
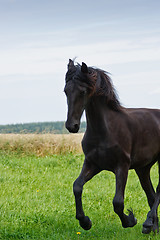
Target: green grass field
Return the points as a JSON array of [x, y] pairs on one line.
[[36, 200]]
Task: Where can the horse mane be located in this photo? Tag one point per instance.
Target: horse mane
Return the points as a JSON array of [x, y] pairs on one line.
[[104, 87]]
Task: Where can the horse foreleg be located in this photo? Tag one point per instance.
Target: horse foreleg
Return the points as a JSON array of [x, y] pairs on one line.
[[88, 171], [144, 177], [118, 201]]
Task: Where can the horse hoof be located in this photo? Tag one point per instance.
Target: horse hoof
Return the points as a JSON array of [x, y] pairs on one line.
[[86, 223], [131, 221], [146, 230]]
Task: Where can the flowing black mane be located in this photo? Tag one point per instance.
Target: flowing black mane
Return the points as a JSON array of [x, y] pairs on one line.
[[98, 82], [105, 88]]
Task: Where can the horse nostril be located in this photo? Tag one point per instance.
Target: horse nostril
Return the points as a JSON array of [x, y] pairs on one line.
[[76, 126]]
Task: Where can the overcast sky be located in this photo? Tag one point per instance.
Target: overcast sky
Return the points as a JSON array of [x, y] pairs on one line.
[[37, 37]]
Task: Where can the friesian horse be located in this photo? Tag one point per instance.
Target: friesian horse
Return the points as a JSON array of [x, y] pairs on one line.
[[116, 139]]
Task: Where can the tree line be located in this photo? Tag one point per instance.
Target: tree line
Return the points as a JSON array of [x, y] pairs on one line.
[[39, 127]]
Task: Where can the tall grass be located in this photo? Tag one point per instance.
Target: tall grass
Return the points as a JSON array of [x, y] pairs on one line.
[[41, 144]]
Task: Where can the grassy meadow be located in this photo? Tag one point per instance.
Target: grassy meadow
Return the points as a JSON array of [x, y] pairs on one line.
[[36, 199]]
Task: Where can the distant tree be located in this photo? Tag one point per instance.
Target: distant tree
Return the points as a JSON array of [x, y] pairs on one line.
[[39, 127]]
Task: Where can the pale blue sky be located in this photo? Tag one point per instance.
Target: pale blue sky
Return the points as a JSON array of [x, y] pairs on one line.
[[39, 36]]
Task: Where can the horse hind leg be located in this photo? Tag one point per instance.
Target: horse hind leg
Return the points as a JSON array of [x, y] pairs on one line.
[[152, 217]]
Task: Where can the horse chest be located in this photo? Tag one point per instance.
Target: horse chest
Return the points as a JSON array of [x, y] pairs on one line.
[[105, 157]]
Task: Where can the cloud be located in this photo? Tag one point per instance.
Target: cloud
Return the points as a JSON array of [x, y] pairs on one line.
[[47, 60], [155, 91]]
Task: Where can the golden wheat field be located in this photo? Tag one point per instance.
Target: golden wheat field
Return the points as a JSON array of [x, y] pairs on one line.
[[41, 144]]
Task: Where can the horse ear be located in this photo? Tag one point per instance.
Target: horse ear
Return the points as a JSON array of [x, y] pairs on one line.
[[84, 68], [70, 64]]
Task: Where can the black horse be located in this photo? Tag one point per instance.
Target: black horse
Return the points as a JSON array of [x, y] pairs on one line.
[[116, 139]]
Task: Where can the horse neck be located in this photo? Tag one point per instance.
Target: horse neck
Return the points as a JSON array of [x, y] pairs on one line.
[[97, 115]]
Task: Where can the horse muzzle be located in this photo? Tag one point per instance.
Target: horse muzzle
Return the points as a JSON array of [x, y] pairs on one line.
[[72, 127]]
